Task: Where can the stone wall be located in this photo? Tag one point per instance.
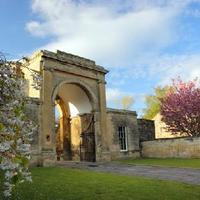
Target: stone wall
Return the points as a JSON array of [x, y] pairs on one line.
[[172, 148], [32, 111], [146, 129], [161, 129], [128, 119]]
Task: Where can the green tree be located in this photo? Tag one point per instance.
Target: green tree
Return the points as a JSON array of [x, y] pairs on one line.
[[153, 102], [127, 102]]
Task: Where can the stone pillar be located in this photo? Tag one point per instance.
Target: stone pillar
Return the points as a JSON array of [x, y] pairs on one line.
[[48, 138], [102, 119], [97, 131]]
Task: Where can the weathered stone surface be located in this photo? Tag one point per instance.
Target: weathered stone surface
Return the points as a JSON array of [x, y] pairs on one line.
[[161, 129], [58, 69], [64, 74], [32, 110], [128, 119], [172, 148], [146, 129]]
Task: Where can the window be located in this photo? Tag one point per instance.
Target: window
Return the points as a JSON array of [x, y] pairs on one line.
[[122, 138]]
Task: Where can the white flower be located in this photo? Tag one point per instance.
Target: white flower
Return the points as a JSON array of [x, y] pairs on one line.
[[18, 130]]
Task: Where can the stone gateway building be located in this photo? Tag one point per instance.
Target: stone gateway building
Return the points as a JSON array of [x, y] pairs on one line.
[[70, 110]]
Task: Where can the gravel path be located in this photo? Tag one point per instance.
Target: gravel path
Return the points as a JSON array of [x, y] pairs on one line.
[[184, 175]]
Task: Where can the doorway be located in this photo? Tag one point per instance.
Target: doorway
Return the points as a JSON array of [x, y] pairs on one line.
[[74, 124]]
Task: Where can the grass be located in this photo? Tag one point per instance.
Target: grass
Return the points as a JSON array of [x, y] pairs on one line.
[[71, 184], [166, 162]]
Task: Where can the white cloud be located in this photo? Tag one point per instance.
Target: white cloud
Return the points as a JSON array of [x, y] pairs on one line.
[[115, 95], [129, 36], [168, 67], [114, 33], [160, 70], [34, 27]]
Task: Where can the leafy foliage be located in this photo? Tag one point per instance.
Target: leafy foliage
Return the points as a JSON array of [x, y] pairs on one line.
[[180, 109], [153, 102], [127, 102], [15, 128]]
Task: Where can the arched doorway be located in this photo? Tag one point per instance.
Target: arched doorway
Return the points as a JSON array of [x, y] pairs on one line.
[[74, 123]]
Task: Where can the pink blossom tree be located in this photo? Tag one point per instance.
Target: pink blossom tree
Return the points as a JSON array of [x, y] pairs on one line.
[[180, 108]]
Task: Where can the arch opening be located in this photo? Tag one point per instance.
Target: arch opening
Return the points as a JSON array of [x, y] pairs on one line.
[[74, 124]]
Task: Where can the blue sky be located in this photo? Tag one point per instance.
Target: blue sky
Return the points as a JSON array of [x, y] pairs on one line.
[[144, 43]]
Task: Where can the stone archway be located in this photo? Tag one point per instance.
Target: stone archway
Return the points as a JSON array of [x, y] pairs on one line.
[[75, 133], [83, 85], [62, 130], [59, 69]]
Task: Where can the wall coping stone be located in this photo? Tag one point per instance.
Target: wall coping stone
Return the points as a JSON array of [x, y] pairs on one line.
[[186, 138], [121, 111], [147, 120], [70, 59]]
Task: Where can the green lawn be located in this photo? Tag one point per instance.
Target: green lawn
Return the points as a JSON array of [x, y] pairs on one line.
[[167, 162], [70, 184]]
